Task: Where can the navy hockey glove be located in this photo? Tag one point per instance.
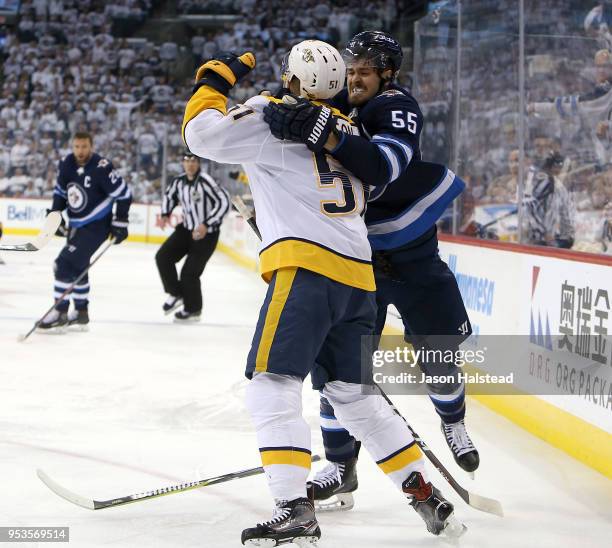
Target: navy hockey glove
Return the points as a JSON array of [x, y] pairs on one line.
[[224, 71], [119, 230], [297, 119], [62, 229]]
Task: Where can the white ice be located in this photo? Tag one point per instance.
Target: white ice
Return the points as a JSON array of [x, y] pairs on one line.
[[139, 402]]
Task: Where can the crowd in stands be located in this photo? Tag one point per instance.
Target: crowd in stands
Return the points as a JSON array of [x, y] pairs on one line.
[[562, 39], [130, 92]]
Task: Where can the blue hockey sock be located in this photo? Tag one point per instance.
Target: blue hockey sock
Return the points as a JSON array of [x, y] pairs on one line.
[[339, 445], [450, 407]]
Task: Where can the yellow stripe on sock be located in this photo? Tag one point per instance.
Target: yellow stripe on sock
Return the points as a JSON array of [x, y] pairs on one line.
[[402, 459], [282, 287], [295, 458]]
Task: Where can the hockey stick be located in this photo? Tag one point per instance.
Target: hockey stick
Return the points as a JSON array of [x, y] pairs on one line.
[[484, 504], [478, 502], [67, 291], [92, 504], [52, 223], [246, 214]]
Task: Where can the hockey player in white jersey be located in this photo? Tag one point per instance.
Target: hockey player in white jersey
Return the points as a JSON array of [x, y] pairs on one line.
[[316, 257]]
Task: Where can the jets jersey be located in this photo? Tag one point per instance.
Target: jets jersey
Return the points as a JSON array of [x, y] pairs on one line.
[[308, 207], [408, 195], [88, 192]]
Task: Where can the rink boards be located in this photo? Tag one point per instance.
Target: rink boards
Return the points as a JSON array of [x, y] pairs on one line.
[[507, 288]]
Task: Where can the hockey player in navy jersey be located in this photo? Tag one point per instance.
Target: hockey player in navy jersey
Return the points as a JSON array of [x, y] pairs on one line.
[[88, 188], [401, 217]]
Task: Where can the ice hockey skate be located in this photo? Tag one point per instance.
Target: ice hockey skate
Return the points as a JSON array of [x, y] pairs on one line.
[[434, 509], [54, 322], [183, 316], [459, 442], [292, 521], [171, 304], [78, 320], [333, 486]]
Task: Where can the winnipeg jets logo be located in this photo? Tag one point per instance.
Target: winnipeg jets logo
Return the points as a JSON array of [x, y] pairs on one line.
[[80, 170], [103, 162], [77, 197]]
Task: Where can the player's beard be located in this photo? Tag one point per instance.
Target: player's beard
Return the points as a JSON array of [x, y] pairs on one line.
[[82, 160]]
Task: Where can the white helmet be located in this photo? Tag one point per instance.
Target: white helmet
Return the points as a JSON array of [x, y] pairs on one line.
[[318, 66]]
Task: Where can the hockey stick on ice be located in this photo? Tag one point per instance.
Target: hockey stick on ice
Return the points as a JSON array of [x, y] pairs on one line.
[[92, 504], [484, 504], [478, 502], [67, 291], [52, 223]]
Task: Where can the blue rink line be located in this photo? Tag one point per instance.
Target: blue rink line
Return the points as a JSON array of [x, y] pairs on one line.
[[135, 322]]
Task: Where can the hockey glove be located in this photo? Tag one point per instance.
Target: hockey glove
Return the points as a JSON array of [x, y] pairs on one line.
[[62, 229], [224, 71], [119, 230], [297, 119]]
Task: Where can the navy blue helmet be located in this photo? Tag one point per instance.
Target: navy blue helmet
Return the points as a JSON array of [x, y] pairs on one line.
[[381, 50]]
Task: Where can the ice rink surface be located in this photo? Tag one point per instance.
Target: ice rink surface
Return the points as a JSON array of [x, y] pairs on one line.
[[139, 403]]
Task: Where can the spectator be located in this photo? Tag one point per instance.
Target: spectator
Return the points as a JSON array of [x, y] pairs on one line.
[[148, 147], [549, 208]]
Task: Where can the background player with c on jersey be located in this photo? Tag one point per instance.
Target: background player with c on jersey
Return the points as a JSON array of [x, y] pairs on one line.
[[401, 219], [88, 188], [320, 301]]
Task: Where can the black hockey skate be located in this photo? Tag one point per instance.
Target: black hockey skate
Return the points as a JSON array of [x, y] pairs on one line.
[[78, 320], [54, 321], [466, 455], [434, 509], [171, 304], [292, 521], [185, 317], [332, 488]]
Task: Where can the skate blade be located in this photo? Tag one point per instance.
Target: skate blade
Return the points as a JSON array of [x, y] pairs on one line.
[[471, 475], [298, 541], [453, 529], [61, 330], [76, 328], [187, 321], [338, 503]]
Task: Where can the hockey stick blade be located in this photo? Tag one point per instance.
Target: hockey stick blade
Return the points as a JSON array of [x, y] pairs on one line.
[[52, 223], [484, 504], [19, 247], [91, 504], [65, 493]]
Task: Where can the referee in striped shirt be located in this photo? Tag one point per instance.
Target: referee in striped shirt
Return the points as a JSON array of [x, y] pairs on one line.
[[204, 205]]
